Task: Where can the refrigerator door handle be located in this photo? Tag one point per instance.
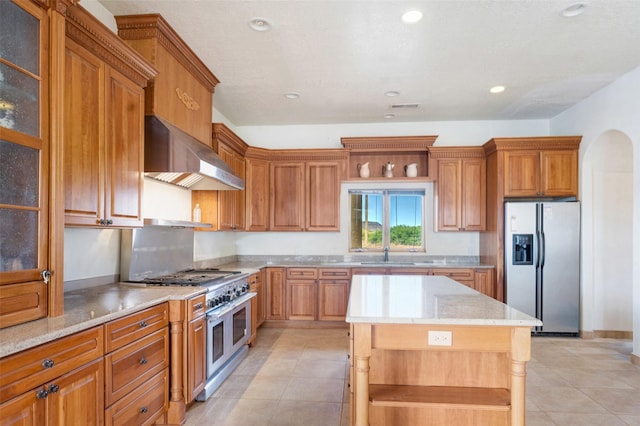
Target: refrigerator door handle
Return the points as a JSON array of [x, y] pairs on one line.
[[538, 251], [542, 249]]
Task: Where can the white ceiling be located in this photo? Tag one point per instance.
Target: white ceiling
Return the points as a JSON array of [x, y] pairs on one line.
[[341, 56]]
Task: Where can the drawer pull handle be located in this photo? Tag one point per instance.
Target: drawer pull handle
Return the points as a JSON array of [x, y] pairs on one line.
[[143, 410], [54, 388], [143, 361], [143, 324], [47, 363], [198, 306]]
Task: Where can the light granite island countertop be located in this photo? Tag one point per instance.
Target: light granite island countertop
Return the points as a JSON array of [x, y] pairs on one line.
[[430, 351]]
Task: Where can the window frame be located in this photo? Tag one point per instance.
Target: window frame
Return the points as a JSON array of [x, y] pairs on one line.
[[386, 193]]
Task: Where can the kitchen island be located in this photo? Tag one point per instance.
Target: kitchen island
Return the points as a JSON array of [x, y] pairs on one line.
[[427, 350]]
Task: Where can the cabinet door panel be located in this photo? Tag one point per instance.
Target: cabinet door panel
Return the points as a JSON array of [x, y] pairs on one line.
[[559, 173], [197, 357], [275, 294], [226, 199], [301, 300], [125, 150], [83, 137], [323, 196], [333, 298], [257, 195], [287, 197], [80, 398], [24, 410], [522, 174], [474, 195], [448, 193]]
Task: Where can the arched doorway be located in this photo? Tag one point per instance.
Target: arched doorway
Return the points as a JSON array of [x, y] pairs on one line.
[[607, 238]]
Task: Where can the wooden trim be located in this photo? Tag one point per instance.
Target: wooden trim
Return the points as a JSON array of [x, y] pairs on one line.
[[94, 36], [221, 133], [153, 25], [456, 152], [258, 153], [532, 143], [385, 143], [308, 154]]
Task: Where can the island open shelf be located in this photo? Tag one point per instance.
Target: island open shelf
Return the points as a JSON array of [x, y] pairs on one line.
[[427, 350]]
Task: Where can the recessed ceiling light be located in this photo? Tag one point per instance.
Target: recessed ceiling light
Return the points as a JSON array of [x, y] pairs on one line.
[[389, 116], [392, 93], [292, 95], [574, 10], [259, 24], [411, 16], [497, 89]]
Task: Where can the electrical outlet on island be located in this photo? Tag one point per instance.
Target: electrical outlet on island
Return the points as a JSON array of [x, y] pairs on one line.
[[439, 338]]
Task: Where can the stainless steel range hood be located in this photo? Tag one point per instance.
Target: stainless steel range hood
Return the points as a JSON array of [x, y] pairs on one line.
[[173, 156]]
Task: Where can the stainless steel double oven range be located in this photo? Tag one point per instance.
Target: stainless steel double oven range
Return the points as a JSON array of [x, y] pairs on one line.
[[228, 298]]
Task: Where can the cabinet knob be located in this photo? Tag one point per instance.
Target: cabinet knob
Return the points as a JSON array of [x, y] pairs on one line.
[[143, 410], [54, 388], [143, 324], [109, 222], [143, 361], [48, 363], [198, 306], [42, 394]]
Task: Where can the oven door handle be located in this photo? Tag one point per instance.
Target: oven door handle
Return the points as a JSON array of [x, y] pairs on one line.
[[226, 309]]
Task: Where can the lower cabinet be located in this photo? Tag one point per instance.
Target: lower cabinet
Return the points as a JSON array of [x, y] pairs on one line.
[[461, 275], [196, 361], [58, 383], [484, 281], [257, 304], [302, 293], [276, 294], [333, 293], [136, 370]]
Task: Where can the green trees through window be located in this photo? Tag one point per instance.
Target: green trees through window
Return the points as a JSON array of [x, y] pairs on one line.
[[386, 218]]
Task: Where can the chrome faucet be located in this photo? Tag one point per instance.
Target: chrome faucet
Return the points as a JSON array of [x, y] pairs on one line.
[[386, 253]]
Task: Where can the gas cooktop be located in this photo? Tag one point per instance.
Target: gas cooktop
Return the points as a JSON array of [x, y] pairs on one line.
[[191, 277]]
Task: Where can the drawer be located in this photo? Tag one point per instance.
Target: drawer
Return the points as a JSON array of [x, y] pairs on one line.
[[133, 327], [142, 406], [33, 367], [334, 273], [304, 273], [196, 307], [132, 365], [454, 273]]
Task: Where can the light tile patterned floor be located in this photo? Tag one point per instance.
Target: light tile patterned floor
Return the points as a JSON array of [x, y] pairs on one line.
[[299, 377]]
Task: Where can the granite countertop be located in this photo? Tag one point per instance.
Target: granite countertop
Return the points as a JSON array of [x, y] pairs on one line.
[[255, 266], [87, 308], [417, 299]]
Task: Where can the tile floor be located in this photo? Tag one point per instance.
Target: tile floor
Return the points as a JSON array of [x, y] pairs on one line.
[[298, 377]]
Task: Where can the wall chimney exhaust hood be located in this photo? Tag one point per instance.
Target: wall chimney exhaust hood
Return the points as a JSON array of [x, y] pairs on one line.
[[173, 156]]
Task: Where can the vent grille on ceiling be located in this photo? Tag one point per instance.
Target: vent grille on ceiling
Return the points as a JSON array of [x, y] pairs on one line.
[[403, 106]]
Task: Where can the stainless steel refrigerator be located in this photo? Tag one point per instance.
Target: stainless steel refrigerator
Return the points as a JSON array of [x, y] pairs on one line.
[[542, 263]]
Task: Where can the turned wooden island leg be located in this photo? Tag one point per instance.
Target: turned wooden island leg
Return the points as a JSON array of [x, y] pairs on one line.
[[520, 354], [362, 353]]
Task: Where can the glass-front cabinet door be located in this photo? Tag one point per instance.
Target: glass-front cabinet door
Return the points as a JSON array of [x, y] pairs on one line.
[[24, 143]]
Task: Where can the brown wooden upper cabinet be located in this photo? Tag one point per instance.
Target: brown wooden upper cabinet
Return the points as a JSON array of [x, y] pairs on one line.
[[460, 192], [541, 171], [305, 190], [224, 209], [256, 190], [24, 159], [103, 126]]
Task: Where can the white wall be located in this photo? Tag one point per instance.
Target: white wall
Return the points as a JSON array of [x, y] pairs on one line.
[[614, 108], [448, 132]]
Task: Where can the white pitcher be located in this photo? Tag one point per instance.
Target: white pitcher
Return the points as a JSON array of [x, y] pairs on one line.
[[411, 170], [363, 169]]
